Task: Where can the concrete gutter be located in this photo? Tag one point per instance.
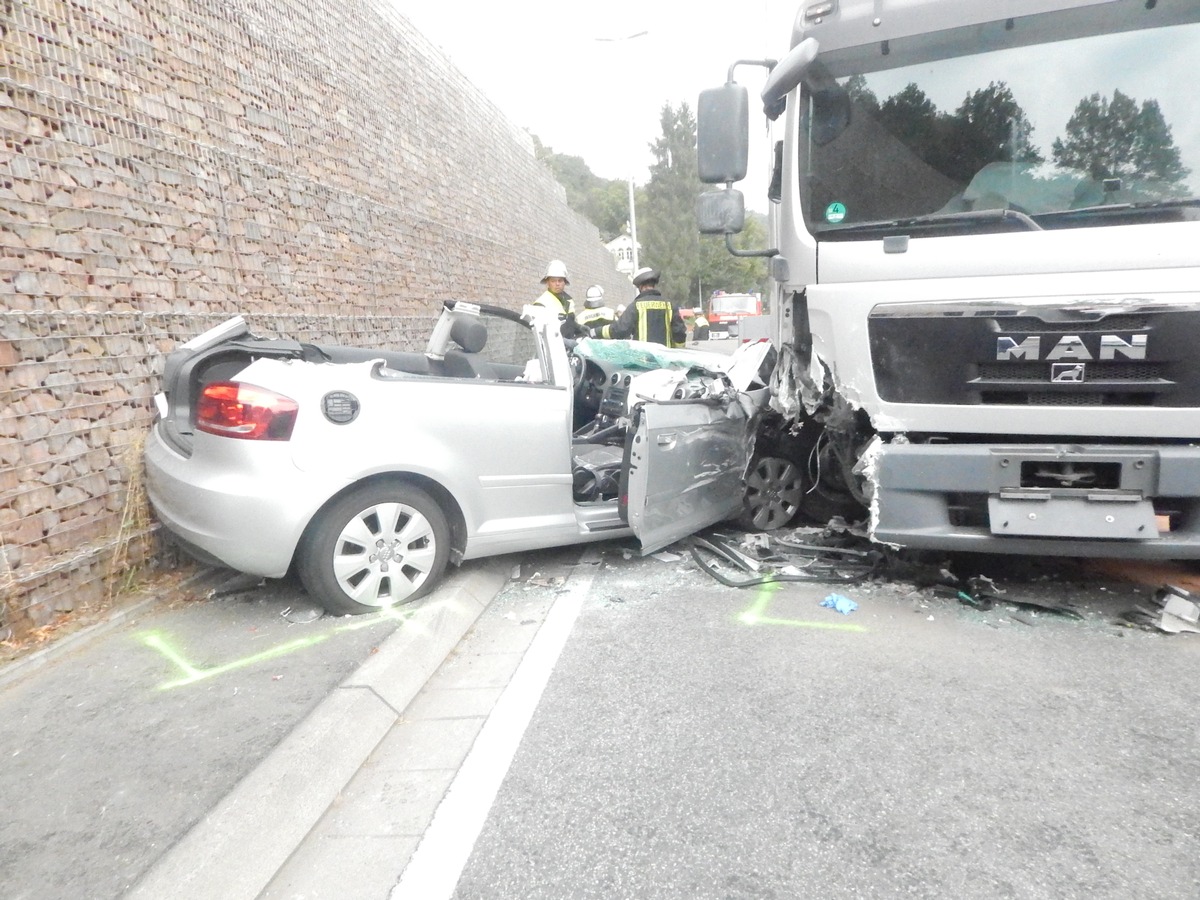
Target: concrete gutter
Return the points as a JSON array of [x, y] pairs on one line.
[[236, 849]]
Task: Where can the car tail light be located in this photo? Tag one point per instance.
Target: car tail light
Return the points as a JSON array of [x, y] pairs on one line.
[[236, 410]]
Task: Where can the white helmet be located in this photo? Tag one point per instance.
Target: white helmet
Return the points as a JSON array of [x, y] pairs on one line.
[[595, 297], [556, 268]]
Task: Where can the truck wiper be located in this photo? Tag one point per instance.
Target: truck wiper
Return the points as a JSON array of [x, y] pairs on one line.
[[1144, 206], [968, 216], [933, 220]]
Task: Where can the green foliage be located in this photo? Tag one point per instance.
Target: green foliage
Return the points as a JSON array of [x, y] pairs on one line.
[[666, 221], [1106, 138], [602, 201], [691, 267], [988, 126], [1117, 139]]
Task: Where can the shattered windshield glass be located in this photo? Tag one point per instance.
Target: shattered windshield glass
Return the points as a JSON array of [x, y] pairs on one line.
[[1045, 129], [642, 355]]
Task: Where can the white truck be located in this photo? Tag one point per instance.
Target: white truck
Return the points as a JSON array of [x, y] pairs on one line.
[[985, 267]]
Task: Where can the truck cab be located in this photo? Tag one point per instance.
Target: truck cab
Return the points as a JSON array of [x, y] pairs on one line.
[[983, 249]]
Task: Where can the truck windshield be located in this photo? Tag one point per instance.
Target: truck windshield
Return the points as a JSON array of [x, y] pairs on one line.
[[734, 303], [1064, 120]]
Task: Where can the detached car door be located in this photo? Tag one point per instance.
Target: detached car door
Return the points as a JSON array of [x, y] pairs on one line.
[[683, 470]]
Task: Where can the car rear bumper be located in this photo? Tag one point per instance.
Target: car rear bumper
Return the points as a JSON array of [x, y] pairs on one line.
[[243, 506]]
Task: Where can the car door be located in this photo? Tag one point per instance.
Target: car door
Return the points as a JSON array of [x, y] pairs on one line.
[[683, 467]]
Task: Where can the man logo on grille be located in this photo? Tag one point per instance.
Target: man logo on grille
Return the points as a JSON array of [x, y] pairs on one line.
[[1061, 373]]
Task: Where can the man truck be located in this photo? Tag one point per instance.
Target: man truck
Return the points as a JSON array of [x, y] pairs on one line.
[[984, 249]]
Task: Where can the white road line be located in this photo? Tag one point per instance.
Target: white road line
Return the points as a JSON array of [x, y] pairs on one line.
[[437, 864]]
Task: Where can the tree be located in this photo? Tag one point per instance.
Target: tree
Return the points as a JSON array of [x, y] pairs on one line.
[[721, 270], [988, 126], [862, 95], [667, 219], [602, 201], [1117, 139], [912, 117]]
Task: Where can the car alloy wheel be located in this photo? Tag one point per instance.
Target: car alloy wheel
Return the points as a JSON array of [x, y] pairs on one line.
[[376, 547], [774, 490]]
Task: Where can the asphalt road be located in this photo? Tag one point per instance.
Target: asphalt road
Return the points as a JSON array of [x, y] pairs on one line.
[[691, 740], [698, 741], [115, 747]]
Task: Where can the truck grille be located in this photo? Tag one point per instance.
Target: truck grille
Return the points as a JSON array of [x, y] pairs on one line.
[[968, 355]]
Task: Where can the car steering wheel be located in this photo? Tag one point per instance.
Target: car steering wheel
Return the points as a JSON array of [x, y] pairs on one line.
[[578, 368]]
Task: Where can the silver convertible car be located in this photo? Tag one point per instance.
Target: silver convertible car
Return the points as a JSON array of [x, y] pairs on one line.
[[365, 471]]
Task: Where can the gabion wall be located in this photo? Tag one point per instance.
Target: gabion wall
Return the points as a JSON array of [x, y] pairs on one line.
[[313, 165]]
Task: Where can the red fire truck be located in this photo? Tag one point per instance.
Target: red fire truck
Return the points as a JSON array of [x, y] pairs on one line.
[[726, 310]]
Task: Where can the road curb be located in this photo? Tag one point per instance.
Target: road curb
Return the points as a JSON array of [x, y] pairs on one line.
[[236, 849]]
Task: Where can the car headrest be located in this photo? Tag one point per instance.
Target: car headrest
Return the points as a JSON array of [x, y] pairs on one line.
[[469, 333]]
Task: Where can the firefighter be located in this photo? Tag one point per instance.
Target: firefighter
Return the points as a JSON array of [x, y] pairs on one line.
[[595, 314], [650, 317], [556, 298], [699, 326]]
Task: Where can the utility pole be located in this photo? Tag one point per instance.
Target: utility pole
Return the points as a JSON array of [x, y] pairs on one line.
[[633, 225]]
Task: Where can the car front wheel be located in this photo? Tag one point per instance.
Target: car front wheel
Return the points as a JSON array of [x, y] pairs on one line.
[[376, 547], [774, 491]]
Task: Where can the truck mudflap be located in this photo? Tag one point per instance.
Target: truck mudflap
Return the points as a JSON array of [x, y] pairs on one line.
[[1045, 499]]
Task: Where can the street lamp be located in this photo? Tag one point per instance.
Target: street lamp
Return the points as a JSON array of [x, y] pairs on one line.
[[632, 206], [633, 225]]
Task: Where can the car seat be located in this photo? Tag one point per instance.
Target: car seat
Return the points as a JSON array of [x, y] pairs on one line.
[[464, 361]]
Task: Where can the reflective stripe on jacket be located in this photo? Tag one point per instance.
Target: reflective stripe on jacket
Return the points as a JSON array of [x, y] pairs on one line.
[[594, 318], [564, 305], [650, 318]]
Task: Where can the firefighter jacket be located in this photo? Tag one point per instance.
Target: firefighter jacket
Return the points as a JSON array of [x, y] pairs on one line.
[[596, 319], [565, 307], [651, 317], [560, 303]]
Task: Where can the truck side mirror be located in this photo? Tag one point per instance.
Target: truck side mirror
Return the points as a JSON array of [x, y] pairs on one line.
[[721, 212], [723, 134]]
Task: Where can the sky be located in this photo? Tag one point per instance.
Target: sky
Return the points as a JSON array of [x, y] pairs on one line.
[[591, 79]]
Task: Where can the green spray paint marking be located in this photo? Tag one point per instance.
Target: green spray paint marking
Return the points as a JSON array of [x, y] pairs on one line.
[[756, 615], [192, 674]]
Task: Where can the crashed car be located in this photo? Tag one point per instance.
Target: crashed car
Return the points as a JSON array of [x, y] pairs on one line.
[[366, 471]]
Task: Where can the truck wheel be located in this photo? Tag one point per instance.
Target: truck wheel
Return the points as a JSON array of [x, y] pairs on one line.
[[774, 490], [378, 546]]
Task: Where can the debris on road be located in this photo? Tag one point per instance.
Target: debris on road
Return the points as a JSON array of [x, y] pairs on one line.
[[841, 553], [236, 584], [1171, 609], [754, 561], [540, 580], [981, 593], [839, 603], [303, 615]]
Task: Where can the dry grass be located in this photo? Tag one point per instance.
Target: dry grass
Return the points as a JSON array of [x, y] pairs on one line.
[[135, 520]]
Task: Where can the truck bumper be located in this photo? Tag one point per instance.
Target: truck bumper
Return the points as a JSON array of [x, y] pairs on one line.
[[1131, 501]]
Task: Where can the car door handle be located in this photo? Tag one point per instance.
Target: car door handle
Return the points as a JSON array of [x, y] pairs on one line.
[[667, 440]]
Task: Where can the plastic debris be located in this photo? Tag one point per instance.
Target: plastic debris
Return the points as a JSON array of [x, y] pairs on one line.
[[236, 584], [728, 561], [302, 615], [666, 556], [1171, 610], [839, 603]]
